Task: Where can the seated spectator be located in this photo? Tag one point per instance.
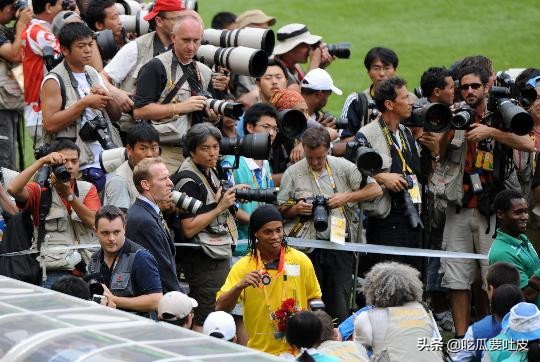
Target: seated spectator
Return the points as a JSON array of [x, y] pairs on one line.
[[220, 325], [521, 324], [392, 329], [72, 285], [332, 345], [503, 298], [303, 333], [177, 308]]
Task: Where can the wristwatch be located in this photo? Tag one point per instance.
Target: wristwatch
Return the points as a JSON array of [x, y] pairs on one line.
[[70, 197]]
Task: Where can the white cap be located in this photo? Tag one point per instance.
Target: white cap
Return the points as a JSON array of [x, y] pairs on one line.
[[220, 322], [175, 306], [289, 36], [319, 79]]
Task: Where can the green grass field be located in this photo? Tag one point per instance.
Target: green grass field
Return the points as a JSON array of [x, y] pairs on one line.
[[423, 33]]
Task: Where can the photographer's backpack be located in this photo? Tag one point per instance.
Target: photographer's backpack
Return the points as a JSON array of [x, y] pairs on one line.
[[18, 236]]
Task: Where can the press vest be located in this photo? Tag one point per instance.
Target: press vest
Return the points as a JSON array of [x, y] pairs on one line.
[[304, 188], [173, 128], [145, 53], [121, 284], [72, 131], [381, 206], [126, 173], [216, 238], [405, 327], [60, 231]]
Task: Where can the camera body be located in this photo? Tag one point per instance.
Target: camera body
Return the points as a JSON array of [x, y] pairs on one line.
[[60, 171], [462, 118], [509, 116], [20, 4], [320, 212], [96, 129], [51, 58], [340, 50], [432, 117], [409, 208], [316, 305]]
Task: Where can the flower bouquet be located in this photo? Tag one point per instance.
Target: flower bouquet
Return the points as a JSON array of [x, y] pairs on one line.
[[281, 316]]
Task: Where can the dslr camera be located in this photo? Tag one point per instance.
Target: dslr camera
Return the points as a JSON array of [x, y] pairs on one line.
[[320, 212], [508, 115], [368, 161], [96, 129], [268, 196], [43, 174], [408, 205]]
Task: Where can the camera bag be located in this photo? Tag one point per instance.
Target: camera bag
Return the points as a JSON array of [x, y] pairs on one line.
[[11, 94]]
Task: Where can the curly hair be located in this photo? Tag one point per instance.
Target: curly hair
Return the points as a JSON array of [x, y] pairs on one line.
[[392, 284]]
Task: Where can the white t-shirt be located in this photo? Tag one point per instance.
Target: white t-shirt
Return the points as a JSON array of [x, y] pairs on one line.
[[89, 113], [122, 63]]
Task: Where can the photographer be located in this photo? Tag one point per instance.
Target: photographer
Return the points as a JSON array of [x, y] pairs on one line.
[[11, 95], [70, 216], [295, 45], [128, 272], [381, 64], [472, 156], [316, 88], [170, 87], [121, 73], [214, 228], [142, 142], [76, 104], [334, 184], [259, 118], [387, 222], [101, 15]]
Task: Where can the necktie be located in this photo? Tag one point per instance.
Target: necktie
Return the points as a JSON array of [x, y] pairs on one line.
[[164, 224]]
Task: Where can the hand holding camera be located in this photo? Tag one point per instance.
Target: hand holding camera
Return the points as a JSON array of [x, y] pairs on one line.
[[303, 208], [192, 104], [431, 141], [220, 81], [327, 120], [479, 132], [338, 199], [96, 100], [53, 158], [24, 16], [393, 181]]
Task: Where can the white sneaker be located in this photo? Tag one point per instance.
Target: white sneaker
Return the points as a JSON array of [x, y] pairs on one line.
[[445, 321]]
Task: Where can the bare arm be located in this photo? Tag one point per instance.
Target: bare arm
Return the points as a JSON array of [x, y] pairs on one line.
[[158, 111], [512, 140], [120, 96], [12, 51], [56, 119], [16, 186], [142, 303], [87, 216], [6, 203]]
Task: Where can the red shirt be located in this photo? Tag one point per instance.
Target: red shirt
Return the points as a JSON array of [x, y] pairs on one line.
[[35, 37], [91, 200]]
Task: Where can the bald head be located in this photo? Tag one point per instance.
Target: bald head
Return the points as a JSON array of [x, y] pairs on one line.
[[186, 36]]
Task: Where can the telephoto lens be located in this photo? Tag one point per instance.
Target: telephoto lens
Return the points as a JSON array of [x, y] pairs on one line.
[[340, 50], [185, 202], [268, 196]]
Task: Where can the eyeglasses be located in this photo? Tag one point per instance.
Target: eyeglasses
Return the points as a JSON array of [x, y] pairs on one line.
[[475, 86], [269, 128], [378, 69]]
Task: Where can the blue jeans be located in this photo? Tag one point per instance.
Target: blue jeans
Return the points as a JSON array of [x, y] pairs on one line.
[[53, 276]]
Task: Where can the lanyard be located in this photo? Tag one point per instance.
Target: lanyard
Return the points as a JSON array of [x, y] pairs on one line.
[[390, 142], [332, 181], [280, 270]]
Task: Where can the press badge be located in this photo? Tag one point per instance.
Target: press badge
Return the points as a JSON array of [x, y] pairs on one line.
[[415, 190], [337, 229], [484, 160]]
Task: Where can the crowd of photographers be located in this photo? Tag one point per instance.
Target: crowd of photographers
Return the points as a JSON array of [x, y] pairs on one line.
[[188, 130]]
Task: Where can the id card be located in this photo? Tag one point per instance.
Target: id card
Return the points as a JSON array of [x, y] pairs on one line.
[[337, 229], [484, 160], [415, 190]]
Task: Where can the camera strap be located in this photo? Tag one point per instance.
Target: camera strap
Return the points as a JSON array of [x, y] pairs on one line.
[[191, 75], [392, 144]]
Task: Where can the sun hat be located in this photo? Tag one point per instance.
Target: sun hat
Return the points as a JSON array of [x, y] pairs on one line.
[[254, 16], [291, 35], [522, 322], [319, 79]]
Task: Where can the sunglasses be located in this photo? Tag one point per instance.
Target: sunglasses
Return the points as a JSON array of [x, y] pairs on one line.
[[475, 86]]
